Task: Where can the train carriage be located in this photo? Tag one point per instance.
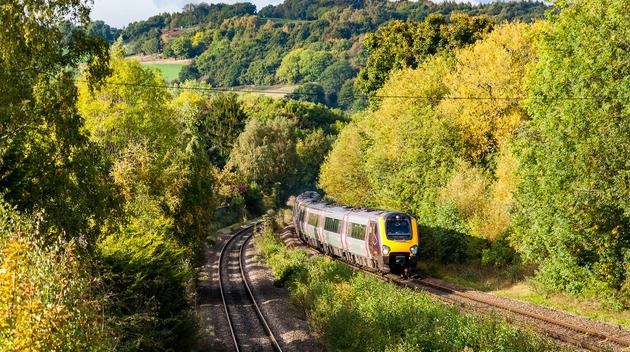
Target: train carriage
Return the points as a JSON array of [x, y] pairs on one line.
[[385, 241]]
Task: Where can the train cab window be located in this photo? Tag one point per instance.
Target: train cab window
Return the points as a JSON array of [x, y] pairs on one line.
[[331, 225], [398, 227], [358, 231]]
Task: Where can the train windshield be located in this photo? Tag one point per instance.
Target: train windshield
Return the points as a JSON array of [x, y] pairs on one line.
[[398, 228]]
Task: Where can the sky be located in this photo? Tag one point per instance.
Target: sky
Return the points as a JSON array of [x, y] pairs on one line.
[[119, 13]]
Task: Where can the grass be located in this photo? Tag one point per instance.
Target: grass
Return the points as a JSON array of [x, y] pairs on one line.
[[170, 72], [355, 312], [512, 282]]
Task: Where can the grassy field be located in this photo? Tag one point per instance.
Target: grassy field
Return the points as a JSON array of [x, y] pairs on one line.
[[170, 72], [355, 312]]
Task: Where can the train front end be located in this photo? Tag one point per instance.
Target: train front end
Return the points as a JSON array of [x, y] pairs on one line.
[[399, 242]]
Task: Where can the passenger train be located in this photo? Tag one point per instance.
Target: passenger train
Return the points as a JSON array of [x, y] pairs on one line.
[[381, 240]]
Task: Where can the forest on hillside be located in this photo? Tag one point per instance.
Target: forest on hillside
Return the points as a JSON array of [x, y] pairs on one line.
[[507, 140], [318, 43]]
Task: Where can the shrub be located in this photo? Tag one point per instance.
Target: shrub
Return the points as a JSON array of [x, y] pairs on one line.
[[148, 277], [48, 300], [500, 253]]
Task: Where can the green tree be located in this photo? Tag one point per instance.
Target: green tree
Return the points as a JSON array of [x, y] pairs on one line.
[[47, 162], [572, 204], [265, 154], [312, 92], [222, 120], [335, 75], [289, 70], [189, 72]]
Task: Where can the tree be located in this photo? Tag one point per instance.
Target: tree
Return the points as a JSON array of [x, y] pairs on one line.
[[304, 65], [47, 162], [335, 75], [222, 120], [102, 29], [403, 44], [343, 174], [265, 154], [492, 69], [289, 70], [312, 92], [189, 72], [572, 204]]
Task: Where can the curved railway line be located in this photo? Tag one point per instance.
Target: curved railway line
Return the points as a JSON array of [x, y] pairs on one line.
[[248, 326], [569, 329]]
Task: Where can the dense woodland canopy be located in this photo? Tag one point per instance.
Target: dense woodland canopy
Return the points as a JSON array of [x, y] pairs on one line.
[[292, 43], [508, 140]]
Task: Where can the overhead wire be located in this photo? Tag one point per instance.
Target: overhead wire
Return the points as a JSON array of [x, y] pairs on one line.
[[379, 96]]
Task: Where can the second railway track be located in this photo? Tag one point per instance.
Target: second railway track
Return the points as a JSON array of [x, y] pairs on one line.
[[248, 326]]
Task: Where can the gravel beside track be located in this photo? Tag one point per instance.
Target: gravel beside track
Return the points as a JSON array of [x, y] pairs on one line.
[[287, 320], [578, 332]]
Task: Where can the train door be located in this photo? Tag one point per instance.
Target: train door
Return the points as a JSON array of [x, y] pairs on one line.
[[374, 244]]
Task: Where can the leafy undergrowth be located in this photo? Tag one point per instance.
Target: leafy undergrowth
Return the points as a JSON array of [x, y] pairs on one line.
[[356, 312], [515, 282]]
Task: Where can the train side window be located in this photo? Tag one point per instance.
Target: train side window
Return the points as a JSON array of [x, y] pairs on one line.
[[357, 231], [312, 219], [332, 225]]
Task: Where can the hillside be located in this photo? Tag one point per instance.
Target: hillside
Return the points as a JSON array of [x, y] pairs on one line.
[[295, 42]]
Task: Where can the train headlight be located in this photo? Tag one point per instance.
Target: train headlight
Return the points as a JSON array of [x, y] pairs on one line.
[[414, 249], [385, 249]]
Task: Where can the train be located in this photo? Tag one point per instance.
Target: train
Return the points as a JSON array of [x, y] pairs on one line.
[[384, 241]]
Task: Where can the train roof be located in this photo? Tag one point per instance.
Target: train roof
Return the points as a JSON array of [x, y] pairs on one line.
[[314, 200]]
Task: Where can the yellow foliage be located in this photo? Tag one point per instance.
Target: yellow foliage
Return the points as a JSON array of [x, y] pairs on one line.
[[493, 70], [343, 173], [44, 301], [468, 188], [485, 205]]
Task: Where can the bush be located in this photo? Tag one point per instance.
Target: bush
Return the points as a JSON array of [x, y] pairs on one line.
[[148, 277], [500, 253], [48, 300]]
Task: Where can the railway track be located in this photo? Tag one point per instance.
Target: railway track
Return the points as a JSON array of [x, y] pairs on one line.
[[569, 329], [248, 326]]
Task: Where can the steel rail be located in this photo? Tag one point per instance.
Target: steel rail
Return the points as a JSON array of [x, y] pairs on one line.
[[261, 317], [225, 306]]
